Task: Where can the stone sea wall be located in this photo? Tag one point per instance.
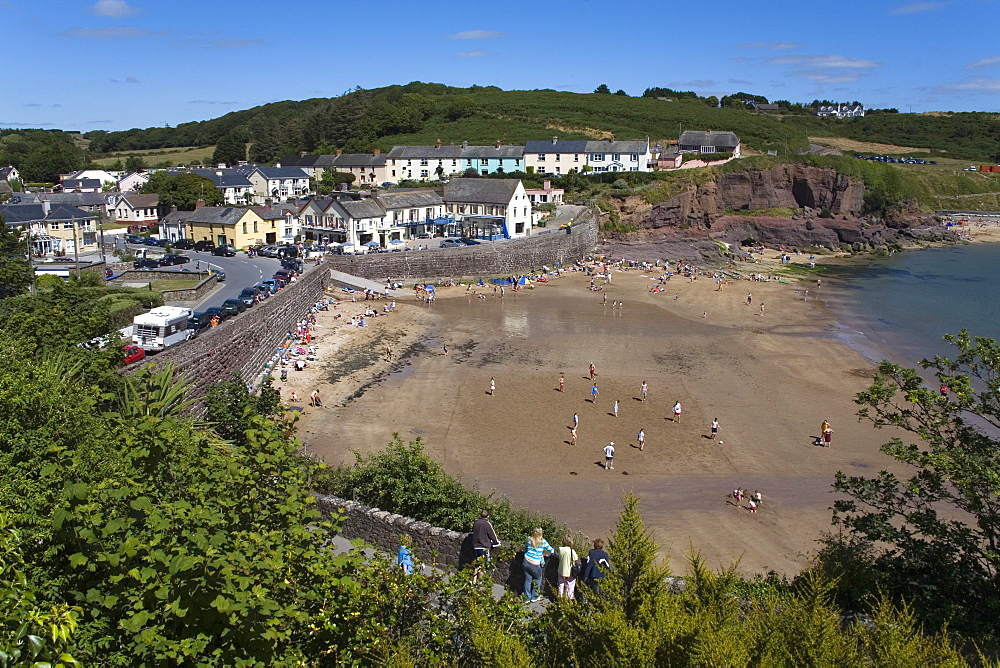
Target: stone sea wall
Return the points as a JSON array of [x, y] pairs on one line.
[[516, 256]]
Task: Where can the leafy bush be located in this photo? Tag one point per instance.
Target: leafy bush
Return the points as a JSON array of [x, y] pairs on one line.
[[708, 157], [403, 479]]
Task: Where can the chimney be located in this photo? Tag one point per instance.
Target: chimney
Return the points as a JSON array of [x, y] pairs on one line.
[[437, 144], [46, 206], [173, 208], [302, 154], [497, 145], [548, 185], [465, 144], [268, 201], [339, 152], [554, 140], [277, 165], [200, 203], [376, 151]]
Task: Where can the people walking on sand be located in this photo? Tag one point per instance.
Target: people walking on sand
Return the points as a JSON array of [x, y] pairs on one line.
[[604, 298], [568, 558], [562, 383], [761, 309], [643, 390], [493, 386], [572, 436], [593, 394], [314, 399], [615, 408], [609, 456], [827, 436], [704, 314], [534, 558], [749, 299], [752, 505], [641, 438], [715, 428], [677, 411], [593, 371]]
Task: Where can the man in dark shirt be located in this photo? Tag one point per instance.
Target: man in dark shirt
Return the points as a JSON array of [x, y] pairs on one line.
[[596, 560], [484, 538]]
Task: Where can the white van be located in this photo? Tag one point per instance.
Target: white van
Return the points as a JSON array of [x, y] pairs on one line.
[[161, 328]]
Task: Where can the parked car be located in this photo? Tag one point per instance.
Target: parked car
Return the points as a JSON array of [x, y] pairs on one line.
[[133, 354], [269, 251], [163, 243], [151, 241], [171, 259], [204, 246], [286, 274], [233, 306], [292, 264], [198, 321], [183, 244], [217, 311], [280, 281], [271, 284], [146, 263], [133, 239], [452, 243], [263, 290], [225, 250], [469, 241], [288, 250], [248, 296]]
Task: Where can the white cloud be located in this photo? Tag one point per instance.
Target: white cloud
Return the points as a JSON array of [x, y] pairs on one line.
[[977, 85], [819, 76], [840, 62], [917, 7], [984, 62], [473, 54], [113, 9], [476, 34], [108, 33], [772, 46]]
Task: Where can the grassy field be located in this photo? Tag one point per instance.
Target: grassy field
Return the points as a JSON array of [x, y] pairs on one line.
[[853, 145], [183, 155]]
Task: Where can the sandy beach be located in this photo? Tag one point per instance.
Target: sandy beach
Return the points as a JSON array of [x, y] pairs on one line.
[[769, 379]]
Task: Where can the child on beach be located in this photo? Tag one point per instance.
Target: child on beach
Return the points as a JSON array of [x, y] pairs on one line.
[[641, 438], [572, 436], [562, 383], [493, 386], [677, 412], [593, 394], [615, 409], [715, 428]]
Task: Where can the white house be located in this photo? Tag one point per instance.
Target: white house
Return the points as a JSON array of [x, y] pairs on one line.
[[604, 155], [135, 209], [236, 187], [851, 110], [545, 195], [9, 173], [499, 207], [132, 182], [82, 180], [279, 181]]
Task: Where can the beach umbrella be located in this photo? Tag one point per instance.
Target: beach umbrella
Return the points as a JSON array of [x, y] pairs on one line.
[[397, 241], [347, 245], [372, 244]]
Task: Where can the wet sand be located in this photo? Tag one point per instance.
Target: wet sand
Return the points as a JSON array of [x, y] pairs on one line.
[[770, 380]]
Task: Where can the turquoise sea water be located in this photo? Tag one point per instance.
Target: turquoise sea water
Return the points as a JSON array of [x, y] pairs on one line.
[[900, 307]]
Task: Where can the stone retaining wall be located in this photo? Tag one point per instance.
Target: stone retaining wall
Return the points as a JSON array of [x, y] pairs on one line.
[[246, 343], [194, 294], [516, 256]]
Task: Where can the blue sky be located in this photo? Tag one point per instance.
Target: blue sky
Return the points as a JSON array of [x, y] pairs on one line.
[[118, 64]]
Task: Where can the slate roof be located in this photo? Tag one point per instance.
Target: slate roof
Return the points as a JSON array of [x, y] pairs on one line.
[[5, 188], [142, 201], [70, 199], [454, 152], [299, 160], [358, 160], [70, 184], [216, 215], [228, 179], [19, 214], [480, 191], [700, 138], [502, 151], [274, 212], [282, 173], [639, 146], [5, 173], [365, 208], [409, 199]]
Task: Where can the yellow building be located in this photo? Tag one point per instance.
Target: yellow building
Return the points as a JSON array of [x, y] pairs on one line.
[[236, 226]]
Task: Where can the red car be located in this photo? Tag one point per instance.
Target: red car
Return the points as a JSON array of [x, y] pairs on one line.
[[133, 354]]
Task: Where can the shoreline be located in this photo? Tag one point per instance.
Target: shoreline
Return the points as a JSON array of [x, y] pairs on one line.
[[769, 379]]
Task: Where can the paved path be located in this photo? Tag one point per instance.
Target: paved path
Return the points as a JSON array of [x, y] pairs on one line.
[[342, 279]]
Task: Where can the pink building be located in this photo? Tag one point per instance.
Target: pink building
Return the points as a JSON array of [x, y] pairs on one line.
[[545, 195]]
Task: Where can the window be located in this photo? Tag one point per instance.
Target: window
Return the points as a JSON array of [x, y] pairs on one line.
[[557, 169], [576, 157], [541, 157], [517, 162], [394, 173], [255, 225], [423, 162], [597, 157], [707, 149], [484, 161], [557, 157], [68, 225], [635, 157], [616, 156], [454, 163], [468, 162], [486, 172], [423, 173]]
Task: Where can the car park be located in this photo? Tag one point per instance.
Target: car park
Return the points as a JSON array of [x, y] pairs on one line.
[[199, 321], [202, 246], [171, 259], [133, 239], [146, 263], [233, 307], [218, 312], [183, 244], [224, 250]]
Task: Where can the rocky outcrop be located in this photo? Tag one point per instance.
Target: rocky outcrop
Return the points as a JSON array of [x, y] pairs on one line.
[[828, 206]]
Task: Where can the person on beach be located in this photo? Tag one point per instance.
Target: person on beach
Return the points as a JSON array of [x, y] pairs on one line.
[[641, 438], [576, 420], [749, 299], [314, 399], [568, 562], [822, 429], [534, 558], [738, 495], [562, 383], [751, 506], [757, 498], [615, 408], [404, 557], [388, 352], [593, 394], [715, 428], [643, 389], [593, 371], [493, 386], [609, 456], [572, 436], [827, 436], [597, 559], [762, 310], [677, 411]]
